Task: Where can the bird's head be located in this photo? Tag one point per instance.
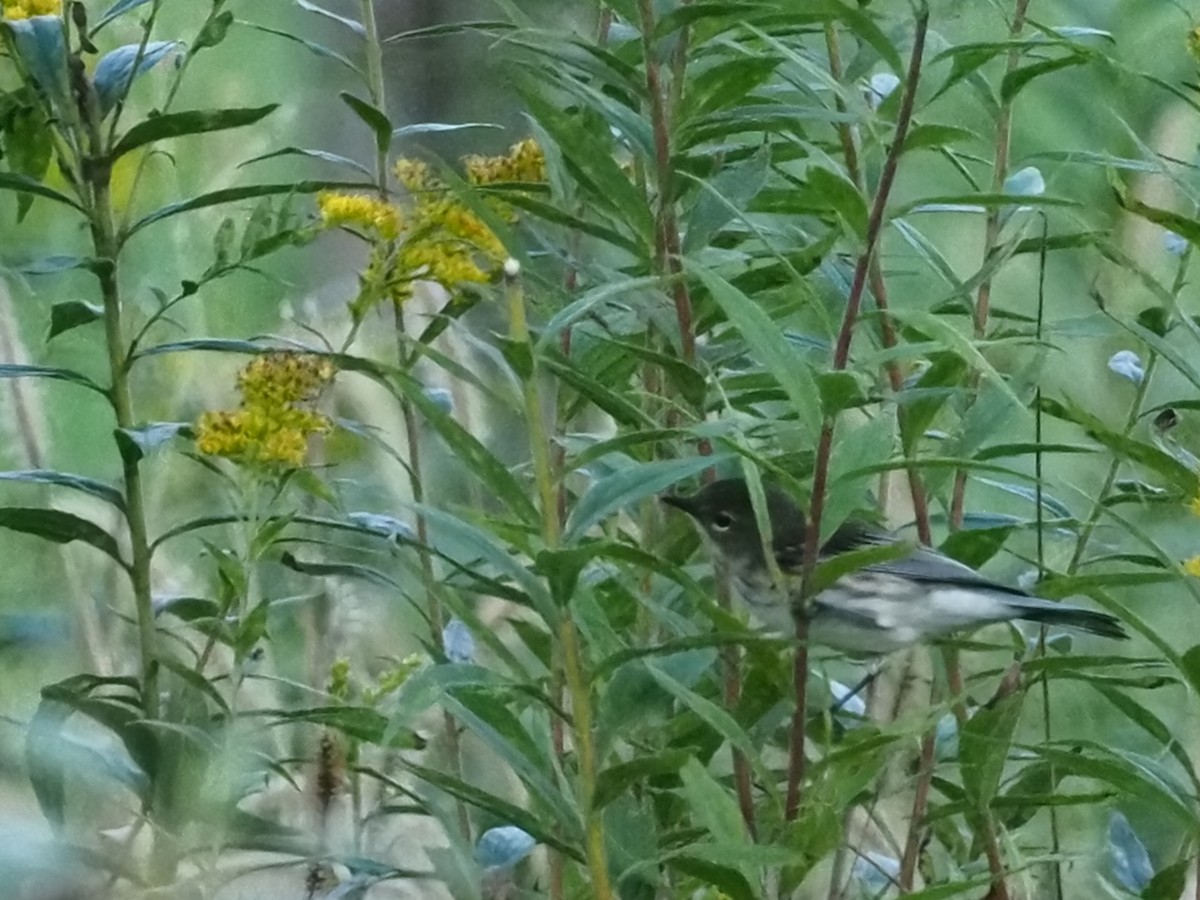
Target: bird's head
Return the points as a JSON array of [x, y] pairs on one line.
[[724, 513]]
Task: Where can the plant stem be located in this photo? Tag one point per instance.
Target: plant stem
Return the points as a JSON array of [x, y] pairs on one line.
[[96, 178], [568, 638], [912, 843], [991, 237], [848, 137], [841, 357], [377, 87], [666, 232]]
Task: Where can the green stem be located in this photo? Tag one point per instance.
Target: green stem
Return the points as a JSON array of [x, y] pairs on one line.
[[107, 249], [377, 87], [992, 229], [568, 638], [1097, 510], [375, 84], [96, 171]]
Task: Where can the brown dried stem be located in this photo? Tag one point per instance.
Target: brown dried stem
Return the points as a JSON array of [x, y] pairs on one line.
[[841, 357]]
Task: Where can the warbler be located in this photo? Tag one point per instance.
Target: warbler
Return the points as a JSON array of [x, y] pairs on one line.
[[920, 596]]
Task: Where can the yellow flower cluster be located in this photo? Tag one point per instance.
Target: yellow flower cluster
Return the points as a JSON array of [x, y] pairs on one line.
[[369, 213], [436, 237], [525, 162], [23, 9], [275, 420], [447, 239]]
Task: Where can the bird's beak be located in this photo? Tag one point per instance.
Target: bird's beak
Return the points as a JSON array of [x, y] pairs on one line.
[[683, 503]]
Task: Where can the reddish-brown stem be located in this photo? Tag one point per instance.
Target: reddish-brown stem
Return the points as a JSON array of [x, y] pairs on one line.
[[797, 758], [841, 356], [912, 844], [875, 279], [666, 231]]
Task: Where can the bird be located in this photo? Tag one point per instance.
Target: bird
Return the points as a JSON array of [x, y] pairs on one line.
[[919, 596]]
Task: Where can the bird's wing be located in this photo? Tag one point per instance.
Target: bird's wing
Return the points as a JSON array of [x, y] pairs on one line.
[[923, 564]]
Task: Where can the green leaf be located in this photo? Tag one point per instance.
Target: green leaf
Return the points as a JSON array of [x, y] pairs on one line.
[[213, 32], [712, 804], [440, 128], [312, 46], [80, 483], [354, 26], [246, 192], [1182, 477], [1133, 775], [1168, 882], [830, 570], [71, 314], [630, 485], [956, 342], [339, 570], [1017, 79], [975, 546], [587, 303], [23, 184], [322, 155], [60, 527], [934, 137], [841, 196], [138, 442], [375, 119], [720, 721], [502, 810], [618, 779], [358, 722], [984, 743], [28, 143], [117, 9], [768, 346], [43, 762], [591, 161], [193, 121], [502, 732], [724, 196], [116, 70], [428, 685], [482, 546]]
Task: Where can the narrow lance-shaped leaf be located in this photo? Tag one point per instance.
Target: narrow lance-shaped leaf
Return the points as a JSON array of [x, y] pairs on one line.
[[767, 344], [246, 192], [115, 70], [196, 121], [85, 485], [59, 527], [629, 485]]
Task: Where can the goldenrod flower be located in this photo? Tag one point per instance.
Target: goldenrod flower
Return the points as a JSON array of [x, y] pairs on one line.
[[275, 420], [370, 213], [445, 240], [413, 174], [1192, 567], [23, 9], [1194, 506], [525, 162]]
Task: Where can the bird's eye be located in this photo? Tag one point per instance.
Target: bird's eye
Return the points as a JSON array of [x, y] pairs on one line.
[[722, 521]]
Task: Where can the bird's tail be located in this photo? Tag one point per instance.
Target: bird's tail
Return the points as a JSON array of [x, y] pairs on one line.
[[1044, 612]]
